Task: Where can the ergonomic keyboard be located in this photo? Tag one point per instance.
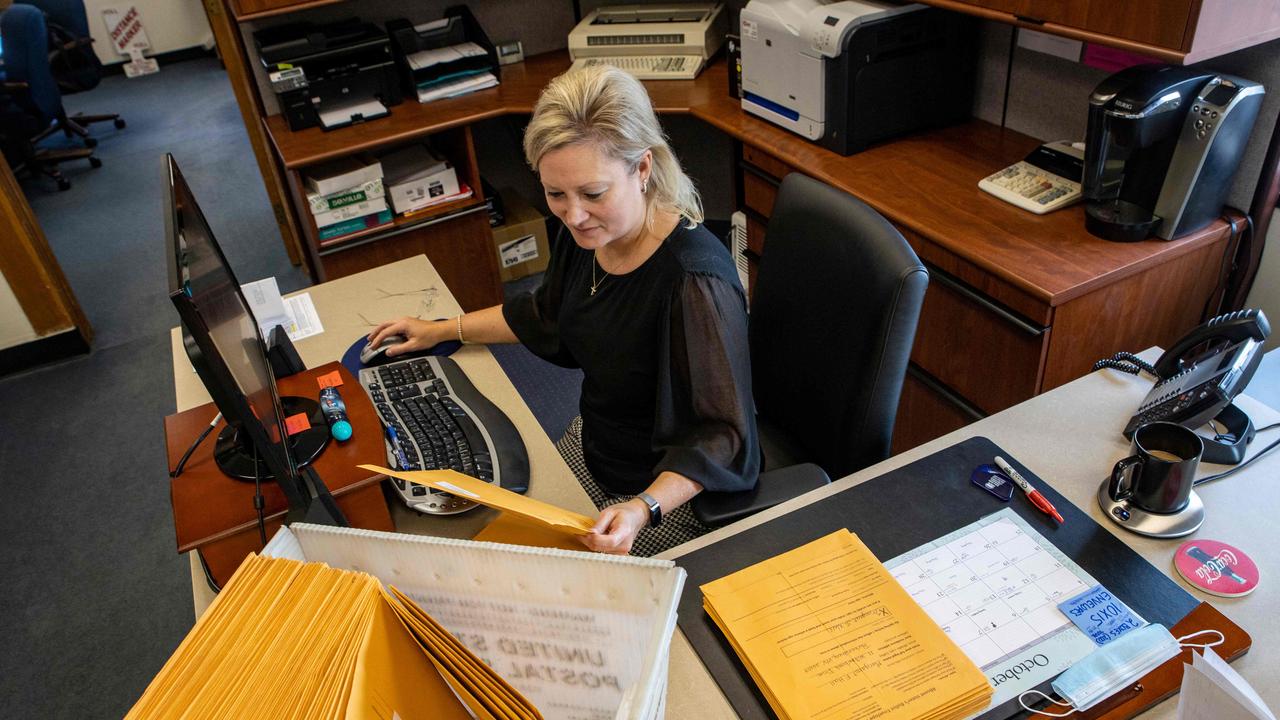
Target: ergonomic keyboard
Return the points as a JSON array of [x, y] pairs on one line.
[[435, 419], [649, 67]]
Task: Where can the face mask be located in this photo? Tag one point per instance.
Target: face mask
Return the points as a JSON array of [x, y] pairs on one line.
[[1108, 669]]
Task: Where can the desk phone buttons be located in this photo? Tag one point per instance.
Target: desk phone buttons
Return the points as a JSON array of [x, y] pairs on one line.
[[989, 478]]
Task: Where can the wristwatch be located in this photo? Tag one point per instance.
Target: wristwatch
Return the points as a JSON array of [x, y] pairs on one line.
[[655, 510]]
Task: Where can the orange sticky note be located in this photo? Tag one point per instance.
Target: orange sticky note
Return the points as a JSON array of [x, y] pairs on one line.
[[333, 379], [295, 424]]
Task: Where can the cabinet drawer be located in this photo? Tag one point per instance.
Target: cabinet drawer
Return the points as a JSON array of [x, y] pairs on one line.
[[755, 236], [765, 162], [925, 412], [758, 191], [988, 355]]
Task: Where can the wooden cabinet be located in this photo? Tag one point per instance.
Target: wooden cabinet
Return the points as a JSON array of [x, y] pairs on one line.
[[1017, 303], [1177, 31]]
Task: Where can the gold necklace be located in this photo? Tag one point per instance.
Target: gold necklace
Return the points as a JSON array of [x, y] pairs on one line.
[[595, 260]]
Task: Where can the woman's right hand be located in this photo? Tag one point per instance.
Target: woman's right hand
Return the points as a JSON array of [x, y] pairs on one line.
[[419, 334]]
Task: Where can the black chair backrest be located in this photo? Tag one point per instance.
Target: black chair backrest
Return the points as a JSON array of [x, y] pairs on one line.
[[75, 65], [833, 316]]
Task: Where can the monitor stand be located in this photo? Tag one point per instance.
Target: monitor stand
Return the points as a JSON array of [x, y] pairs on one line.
[[236, 458]]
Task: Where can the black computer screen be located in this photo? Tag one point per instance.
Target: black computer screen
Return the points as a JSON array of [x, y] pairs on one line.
[[220, 333]]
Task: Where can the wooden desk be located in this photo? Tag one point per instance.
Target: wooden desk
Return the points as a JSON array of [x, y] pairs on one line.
[[1018, 303], [1071, 437]]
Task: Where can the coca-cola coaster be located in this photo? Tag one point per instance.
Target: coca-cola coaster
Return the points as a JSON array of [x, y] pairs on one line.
[[1216, 568]]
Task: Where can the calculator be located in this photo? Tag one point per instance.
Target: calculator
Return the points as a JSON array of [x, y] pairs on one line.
[[1045, 180]]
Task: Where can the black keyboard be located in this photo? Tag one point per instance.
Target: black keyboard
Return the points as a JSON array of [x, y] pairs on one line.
[[442, 422]]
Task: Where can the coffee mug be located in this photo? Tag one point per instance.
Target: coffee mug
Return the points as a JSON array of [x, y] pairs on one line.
[[1158, 475]]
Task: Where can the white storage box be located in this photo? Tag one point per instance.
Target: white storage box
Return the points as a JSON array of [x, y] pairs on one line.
[[579, 634]]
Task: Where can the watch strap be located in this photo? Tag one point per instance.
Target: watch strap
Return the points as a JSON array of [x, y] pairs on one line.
[[655, 510]]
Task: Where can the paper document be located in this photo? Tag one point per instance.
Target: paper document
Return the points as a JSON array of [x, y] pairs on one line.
[[426, 58], [459, 87], [297, 314], [827, 633], [1212, 690], [465, 486], [346, 113], [994, 586]]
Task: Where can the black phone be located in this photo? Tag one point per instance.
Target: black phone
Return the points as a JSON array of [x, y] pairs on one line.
[[1200, 376]]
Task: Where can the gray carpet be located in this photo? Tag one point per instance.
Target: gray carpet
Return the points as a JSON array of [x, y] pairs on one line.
[[96, 597]]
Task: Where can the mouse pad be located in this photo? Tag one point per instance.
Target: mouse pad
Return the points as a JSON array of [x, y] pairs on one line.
[[351, 358], [897, 512]]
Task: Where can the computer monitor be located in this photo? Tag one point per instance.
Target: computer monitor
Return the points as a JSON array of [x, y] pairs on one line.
[[226, 349]]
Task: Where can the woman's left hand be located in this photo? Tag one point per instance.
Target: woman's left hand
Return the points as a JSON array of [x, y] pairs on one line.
[[616, 527]]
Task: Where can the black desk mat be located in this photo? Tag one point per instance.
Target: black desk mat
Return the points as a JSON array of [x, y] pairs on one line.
[[899, 511]]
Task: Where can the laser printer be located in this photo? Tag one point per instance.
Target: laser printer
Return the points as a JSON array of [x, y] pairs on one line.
[[329, 75], [847, 74]]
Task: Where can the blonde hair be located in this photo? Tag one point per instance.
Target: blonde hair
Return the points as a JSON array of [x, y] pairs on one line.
[[606, 106]]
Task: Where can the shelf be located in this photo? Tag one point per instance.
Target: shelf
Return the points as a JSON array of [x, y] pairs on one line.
[[284, 10], [520, 85], [400, 223]]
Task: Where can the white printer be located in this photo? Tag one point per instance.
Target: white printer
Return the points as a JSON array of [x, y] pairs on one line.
[[850, 73]]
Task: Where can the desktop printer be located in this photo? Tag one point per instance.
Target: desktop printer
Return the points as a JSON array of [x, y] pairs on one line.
[[329, 75], [667, 41], [848, 74]]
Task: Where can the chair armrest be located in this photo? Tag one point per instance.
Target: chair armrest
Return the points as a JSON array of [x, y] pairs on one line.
[[773, 488]]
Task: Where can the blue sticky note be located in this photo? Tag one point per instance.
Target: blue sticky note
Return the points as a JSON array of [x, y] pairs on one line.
[[1101, 615]]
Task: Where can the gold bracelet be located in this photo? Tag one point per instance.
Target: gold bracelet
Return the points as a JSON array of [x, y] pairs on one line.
[[460, 338]]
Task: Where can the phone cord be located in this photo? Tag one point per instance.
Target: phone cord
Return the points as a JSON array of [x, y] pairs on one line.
[[1126, 362]]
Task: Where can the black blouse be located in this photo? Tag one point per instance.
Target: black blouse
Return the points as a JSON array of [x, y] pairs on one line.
[[663, 349]]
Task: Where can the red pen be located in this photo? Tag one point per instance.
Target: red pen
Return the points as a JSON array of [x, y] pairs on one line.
[[1040, 501]]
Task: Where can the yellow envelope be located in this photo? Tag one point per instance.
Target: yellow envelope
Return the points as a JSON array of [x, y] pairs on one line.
[[515, 530], [465, 486]]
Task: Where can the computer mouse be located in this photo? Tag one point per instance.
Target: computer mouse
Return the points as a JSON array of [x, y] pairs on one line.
[[371, 355]]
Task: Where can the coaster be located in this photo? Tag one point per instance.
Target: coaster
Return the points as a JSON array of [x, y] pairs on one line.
[[1216, 568]]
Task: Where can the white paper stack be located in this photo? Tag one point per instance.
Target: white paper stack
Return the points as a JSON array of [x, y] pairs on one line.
[[1212, 690]]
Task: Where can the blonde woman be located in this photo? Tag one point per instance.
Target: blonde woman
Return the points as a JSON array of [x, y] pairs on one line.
[[645, 300]]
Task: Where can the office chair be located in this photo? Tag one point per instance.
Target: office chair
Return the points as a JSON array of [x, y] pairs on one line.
[[75, 65], [833, 317], [30, 101]]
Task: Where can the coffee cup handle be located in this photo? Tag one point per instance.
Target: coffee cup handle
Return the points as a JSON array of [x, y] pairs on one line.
[[1121, 484]]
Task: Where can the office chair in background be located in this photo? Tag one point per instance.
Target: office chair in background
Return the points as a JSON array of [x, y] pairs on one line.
[[833, 317], [75, 65], [29, 100]]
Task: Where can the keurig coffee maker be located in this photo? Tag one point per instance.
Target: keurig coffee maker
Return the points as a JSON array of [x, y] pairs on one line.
[[1162, 148]]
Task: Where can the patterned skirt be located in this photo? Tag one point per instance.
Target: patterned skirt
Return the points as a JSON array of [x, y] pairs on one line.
[[678, 526]]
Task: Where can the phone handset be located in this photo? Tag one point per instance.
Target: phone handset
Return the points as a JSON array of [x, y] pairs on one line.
[[1231, 328], [1198, 378]]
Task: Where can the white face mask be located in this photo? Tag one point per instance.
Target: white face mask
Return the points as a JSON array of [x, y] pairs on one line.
[[1108, 669]]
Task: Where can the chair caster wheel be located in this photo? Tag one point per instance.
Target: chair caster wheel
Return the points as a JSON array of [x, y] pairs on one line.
[[95, 162], [119, 122], [64, 184], [90, 142]]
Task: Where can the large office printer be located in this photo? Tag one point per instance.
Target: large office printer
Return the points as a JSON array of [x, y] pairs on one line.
[[329, 75], [665, 41], [848, 74]]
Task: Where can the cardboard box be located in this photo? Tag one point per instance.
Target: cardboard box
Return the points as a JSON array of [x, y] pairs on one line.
[[521, 242]]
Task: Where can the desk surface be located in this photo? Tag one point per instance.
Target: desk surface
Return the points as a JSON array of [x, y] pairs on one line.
[[1071, 437]]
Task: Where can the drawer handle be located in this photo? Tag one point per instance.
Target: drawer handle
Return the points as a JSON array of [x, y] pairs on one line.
[[947, 393], [760, 174], [982, 300], [402, 229]]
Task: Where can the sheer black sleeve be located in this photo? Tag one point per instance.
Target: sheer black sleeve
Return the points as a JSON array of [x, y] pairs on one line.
[[705, 419], [535, 316]]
